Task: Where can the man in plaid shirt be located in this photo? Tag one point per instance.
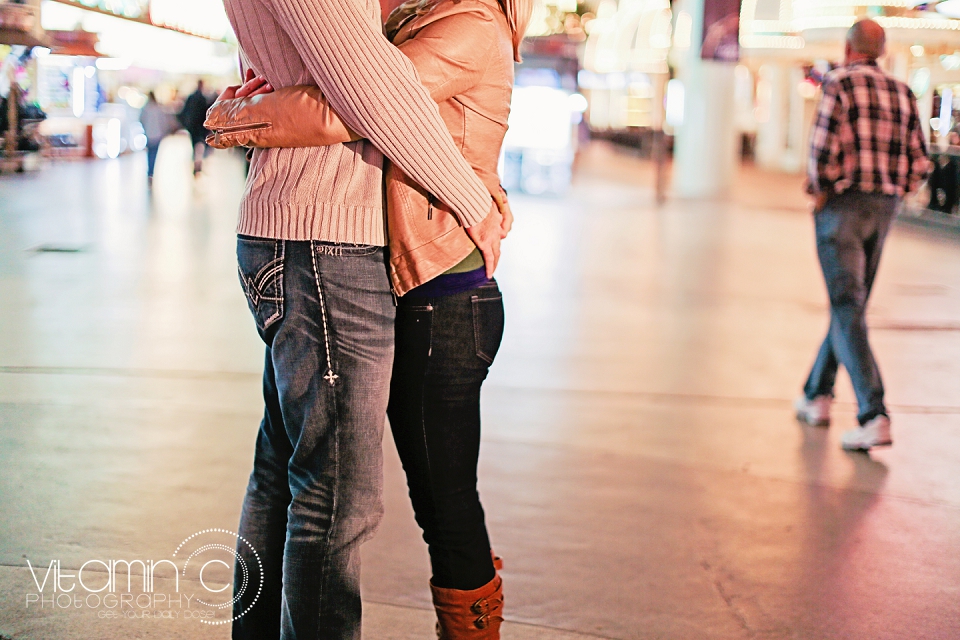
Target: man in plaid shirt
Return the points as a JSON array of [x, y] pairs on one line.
[[867, 151]]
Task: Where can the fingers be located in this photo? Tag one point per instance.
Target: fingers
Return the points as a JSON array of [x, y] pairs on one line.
[[503, 206], [254, 87], [491, 258], [489, 247], [489, 261], [229, 93], [267, 88], [506, 224], [496, 220], [248, 87], [491, 254], [486, 236]]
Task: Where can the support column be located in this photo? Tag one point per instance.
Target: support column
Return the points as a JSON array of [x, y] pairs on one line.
[[793, 159], [925, 109], [705, 144], [772, 117]]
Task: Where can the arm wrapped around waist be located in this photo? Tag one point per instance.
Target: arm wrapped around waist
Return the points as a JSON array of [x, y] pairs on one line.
[[297, 116]]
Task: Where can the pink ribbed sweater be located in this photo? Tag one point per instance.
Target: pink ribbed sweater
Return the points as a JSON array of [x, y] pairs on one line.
[[335, 193]]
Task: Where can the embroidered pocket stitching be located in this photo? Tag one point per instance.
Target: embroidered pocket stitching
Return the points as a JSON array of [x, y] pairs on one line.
[[254, 286]]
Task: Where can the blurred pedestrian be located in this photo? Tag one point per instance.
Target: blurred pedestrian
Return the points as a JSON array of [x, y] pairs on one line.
[[192, 115], [943, 183], [156, 126], [867, 152]]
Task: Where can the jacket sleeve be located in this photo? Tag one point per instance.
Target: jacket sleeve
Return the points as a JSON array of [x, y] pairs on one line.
[[450, 56], [374, 89], [296, 116]]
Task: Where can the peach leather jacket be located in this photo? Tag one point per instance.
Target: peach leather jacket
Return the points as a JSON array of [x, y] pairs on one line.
[[463, 52]]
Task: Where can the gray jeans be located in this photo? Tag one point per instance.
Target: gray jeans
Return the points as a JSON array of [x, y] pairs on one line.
[[326, 314], [851, 230]]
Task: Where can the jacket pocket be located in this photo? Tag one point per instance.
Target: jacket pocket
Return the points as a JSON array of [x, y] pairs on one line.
[[487, 322], [260, 266]]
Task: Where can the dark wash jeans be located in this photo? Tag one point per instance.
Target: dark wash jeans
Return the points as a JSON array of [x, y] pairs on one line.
[[851, 230], [153, 148], [326, 314], [444, 349]]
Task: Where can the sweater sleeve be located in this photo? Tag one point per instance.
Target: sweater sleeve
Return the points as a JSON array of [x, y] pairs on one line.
[[375, 90]]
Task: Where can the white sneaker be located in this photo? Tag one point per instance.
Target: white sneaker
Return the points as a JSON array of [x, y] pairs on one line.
[[816, 412], [875, 433]]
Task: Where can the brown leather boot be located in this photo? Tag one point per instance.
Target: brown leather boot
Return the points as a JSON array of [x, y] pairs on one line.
[[469, 615]]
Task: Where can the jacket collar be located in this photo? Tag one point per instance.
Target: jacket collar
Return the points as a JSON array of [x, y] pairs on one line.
[[442, 9]]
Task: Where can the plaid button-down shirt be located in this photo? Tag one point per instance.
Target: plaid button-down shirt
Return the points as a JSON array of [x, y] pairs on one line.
[[867, 135]]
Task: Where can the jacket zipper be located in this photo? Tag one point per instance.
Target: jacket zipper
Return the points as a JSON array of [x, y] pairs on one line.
[[217, 132]]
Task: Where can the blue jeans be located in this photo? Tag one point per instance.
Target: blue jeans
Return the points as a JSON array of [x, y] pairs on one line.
[[326, 314], [153, 147], [445, 347], [851, 230]]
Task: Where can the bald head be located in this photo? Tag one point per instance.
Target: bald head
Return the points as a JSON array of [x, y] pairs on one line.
[[866, 39]]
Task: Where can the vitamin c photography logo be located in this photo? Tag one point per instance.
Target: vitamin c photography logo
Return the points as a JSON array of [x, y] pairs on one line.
[[199, 589]]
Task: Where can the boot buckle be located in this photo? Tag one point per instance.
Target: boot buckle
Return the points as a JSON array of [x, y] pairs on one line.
[[480, 607], [482, 622]]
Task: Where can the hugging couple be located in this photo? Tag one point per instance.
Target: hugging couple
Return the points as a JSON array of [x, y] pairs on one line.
[[369, 232]]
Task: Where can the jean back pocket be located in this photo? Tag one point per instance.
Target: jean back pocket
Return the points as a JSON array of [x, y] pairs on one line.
[[260, 266], [487, 323]]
